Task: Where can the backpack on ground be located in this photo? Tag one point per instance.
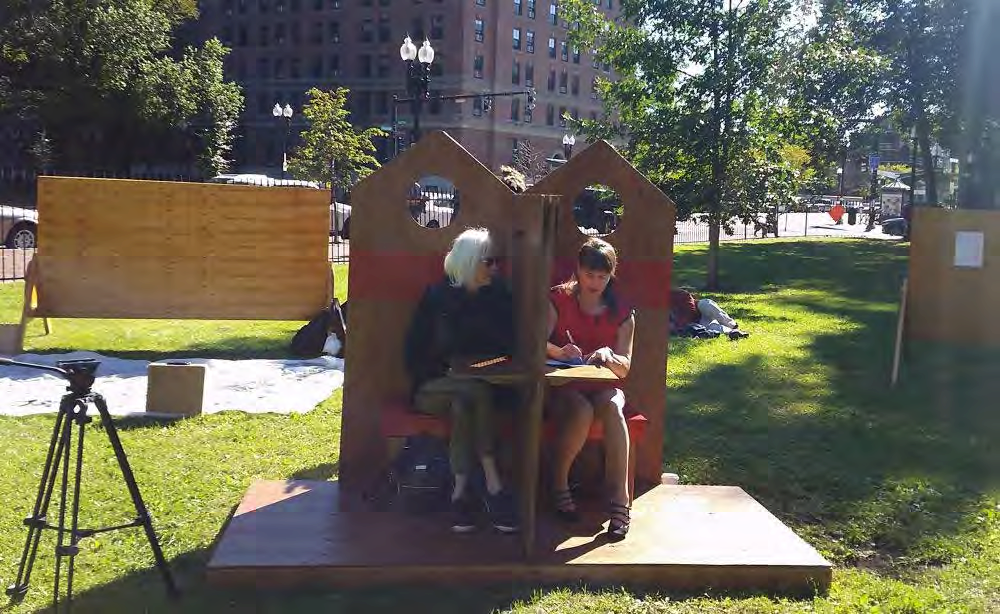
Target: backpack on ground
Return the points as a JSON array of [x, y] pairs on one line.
[[311, 340], [421, 475]]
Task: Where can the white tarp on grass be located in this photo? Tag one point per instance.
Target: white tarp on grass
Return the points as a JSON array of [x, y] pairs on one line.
[[254, 386]]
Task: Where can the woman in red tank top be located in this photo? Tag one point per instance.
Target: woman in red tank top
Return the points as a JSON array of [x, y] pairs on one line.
[[587, 322]]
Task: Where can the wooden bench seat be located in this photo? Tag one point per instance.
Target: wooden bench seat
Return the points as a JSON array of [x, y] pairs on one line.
[[399, 419]]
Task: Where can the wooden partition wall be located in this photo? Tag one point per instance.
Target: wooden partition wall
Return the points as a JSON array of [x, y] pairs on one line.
[[644, 241], [393, 259], [954, 278], [112, 248]]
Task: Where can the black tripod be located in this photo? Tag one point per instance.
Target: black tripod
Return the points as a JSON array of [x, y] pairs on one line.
[[73, 410]]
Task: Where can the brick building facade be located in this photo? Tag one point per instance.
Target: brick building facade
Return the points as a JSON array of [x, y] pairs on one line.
[[281, 48]]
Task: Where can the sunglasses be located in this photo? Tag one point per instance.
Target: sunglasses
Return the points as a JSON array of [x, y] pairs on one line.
[[492, 261]]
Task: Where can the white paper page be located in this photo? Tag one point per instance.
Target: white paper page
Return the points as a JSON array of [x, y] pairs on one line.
[[969, 249]]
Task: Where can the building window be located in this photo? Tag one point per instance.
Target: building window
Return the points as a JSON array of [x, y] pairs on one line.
[[365, 65], [550, 114], [333, 66], [263, 106], [279, 6], [381, 103], [605, 67], [576, 54], [294, 33], [531, 9], [241, 36], [241, 7], [611, 5], [265, 36], [296, 5], [477, 106], [515, 73], [481, 2], [517, 38], [575, 113], [574, 85], [367, 31], [594, 61], [417, 28], [480, 30], [316, 67], [593, 116], [552, 80], [517, 7], [593, 88], [437, 68], [384, 31], [552, 47], [279, 34], [437, 27], [383, 65], [316, 33], [563, 77], [383, 2], [334, 4], [333, 31], [562, 117], [262, 6], [294, 68], [263, 68], [529, 74], [564, 51], [527, 114], [317, 5], [279, 68], [529, 41], [515, 109], [553, 19], [477, 67]]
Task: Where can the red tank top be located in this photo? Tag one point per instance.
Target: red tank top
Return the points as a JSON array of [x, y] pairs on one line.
[[589, 332]]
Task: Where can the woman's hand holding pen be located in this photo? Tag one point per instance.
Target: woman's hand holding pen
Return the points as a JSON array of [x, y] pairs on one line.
[[570, 351]]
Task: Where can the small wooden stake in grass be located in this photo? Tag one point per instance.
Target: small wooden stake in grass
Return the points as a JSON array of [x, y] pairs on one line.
[[900, 324]]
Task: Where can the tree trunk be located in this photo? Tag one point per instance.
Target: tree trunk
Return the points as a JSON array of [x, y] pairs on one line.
[[927, 161], [715, 189]]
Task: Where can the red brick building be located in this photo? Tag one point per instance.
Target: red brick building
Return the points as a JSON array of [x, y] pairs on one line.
[[281, 48]]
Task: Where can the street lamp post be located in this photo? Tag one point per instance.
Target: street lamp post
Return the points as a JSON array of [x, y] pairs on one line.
[[418, 76], [568, 141], [278, 113], [840, 191]]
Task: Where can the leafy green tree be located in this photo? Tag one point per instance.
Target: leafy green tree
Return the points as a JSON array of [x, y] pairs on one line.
[[331, 150], [697, 99], [95, 81]]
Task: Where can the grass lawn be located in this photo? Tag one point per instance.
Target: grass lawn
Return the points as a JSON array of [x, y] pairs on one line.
[[898, 488]]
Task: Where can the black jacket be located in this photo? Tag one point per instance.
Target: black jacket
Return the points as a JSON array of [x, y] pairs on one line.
[[452, 322]]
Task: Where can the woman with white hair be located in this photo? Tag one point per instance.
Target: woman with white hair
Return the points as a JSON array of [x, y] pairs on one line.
[[468, 314]]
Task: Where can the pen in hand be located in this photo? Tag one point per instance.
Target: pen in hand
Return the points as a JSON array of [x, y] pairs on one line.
[[570, 337]]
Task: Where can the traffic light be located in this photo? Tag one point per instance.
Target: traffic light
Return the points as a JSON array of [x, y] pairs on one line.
[[531, 99]]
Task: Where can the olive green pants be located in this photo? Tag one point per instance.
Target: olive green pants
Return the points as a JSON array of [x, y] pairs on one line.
[[469, 405]]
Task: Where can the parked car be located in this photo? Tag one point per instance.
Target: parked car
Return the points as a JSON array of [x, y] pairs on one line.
[[19, 227]]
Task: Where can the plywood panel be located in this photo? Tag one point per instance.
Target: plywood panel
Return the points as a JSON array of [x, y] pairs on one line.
[[683, 537], [948, 303], [393, 259], [147, 249], [644, 242]]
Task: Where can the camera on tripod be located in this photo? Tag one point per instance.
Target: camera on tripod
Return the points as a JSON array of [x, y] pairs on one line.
[[82, 366]]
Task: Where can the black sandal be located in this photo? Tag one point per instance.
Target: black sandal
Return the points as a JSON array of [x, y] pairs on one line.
[[566, 510], [619, 523]]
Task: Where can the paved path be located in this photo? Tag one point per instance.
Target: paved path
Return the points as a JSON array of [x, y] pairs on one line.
[[789, 225]]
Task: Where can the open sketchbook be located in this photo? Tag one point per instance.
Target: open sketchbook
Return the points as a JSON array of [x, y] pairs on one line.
[[552, 362]]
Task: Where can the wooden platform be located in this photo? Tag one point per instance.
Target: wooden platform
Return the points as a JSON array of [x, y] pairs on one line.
[[291, 534]]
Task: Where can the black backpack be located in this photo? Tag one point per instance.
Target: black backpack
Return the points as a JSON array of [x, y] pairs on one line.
[[421, 475], [309, 340]]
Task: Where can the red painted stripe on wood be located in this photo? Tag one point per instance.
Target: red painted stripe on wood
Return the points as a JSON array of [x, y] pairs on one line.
[[393, 275]]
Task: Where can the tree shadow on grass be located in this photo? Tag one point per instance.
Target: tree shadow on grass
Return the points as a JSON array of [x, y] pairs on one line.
[[860, 470]]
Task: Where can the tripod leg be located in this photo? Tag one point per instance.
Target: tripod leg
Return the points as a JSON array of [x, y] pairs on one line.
[[36, 522], [71, 551], [61, 530], [133, 489]]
